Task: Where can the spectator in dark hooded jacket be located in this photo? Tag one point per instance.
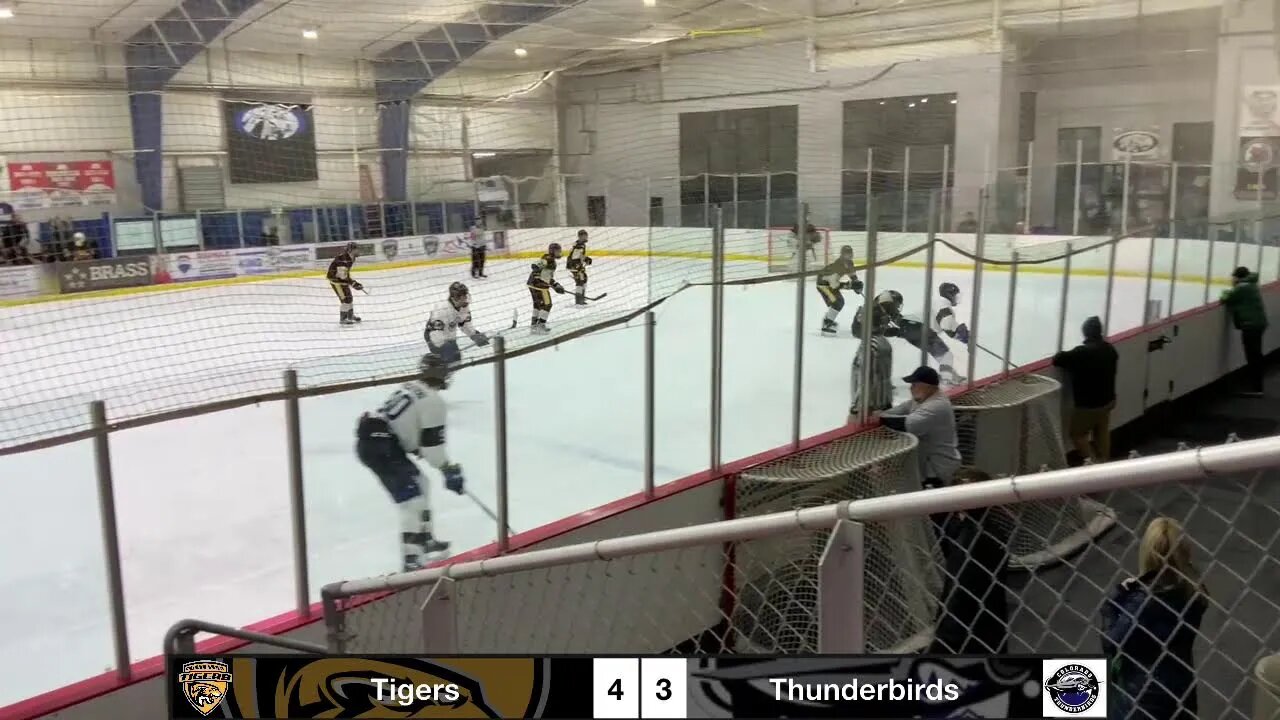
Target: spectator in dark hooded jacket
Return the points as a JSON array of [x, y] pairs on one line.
[[1244, 302], [1091, 367], [974, 617], [1149, 627]]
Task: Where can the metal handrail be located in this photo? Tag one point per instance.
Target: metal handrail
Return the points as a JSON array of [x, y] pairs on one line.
[[180, 639]]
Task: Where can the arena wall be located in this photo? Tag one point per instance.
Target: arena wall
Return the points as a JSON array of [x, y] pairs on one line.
[[1201, 340]]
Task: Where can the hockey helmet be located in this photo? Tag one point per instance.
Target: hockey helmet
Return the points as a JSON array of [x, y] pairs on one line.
[[847, 252], [896, 297], [459, 295], [553, 250], [582, 234], [434, 370], [950, 291], [351, 249]]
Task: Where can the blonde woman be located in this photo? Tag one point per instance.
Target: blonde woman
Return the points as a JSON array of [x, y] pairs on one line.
[[1149, 627]]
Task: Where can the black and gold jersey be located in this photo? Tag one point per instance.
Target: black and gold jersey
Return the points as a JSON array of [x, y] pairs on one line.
[[830, 275], [543, 272], [340, 269], [577, 256]]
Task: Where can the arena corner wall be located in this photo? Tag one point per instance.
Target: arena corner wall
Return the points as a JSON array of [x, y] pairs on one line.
[[1201, 348]]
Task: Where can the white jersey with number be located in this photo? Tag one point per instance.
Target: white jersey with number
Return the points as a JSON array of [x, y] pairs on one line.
[[445, 321], [949, 318], [416, 414]]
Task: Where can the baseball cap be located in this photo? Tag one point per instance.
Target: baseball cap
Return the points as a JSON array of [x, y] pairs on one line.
[[924, 374]]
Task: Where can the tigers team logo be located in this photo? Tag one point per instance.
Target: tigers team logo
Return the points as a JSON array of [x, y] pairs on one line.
[[205, 683]]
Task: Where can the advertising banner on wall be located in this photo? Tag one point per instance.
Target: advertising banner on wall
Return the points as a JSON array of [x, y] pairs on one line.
[[264, 261], [74, 183], [185, 267], [1260, 111], [1256, 169], [447, 246], [107, 274], [17, 283], [1136, 144]]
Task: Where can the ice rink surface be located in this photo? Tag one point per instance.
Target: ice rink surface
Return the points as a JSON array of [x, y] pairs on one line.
[[202, 503]]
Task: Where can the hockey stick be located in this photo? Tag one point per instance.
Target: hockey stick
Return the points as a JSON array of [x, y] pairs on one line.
[[485, 509], [366, 292], [593, 298]]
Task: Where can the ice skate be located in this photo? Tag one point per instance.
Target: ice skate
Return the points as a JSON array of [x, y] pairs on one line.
[[435, 547], [580, 301], [347, 321], [540, 329], [829, 327], [355, 319]]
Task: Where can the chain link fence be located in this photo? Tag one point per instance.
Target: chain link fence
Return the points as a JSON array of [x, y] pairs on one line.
[[1168, 565]]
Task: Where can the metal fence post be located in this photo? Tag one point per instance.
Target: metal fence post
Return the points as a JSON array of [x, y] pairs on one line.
[[1010, 315], [1075, 201], [650, 319], [1151, 263], [1173, 272], [868, 313], [500, 437], [840, 591], [931, 240], [1237, 229], [110, 536], [717, 333], [797, 377], [297, 496], [1064, 297], [1208, 265], [980, 246], [413, 218], [240, 226], [1111, 285]]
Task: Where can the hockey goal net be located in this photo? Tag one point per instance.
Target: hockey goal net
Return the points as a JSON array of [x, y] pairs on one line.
[[783, 247], [1008, 428]]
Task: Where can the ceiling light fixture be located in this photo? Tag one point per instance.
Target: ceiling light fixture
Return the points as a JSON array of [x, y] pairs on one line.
[[6, 11], [924, 100], [521, 52], [310, 34], [953, 101], [483, 154], [911, 105], [651, 3]]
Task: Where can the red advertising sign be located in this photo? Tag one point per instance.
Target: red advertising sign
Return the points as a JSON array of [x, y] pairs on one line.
[[61, 184]]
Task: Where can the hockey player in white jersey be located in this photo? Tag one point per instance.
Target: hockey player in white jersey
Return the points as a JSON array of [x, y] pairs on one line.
[[950, 319], [446, 320], [411, 422]]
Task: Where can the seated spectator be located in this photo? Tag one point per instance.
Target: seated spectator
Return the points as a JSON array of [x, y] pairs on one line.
[[1149, 626], [81, 249], [974, 616]]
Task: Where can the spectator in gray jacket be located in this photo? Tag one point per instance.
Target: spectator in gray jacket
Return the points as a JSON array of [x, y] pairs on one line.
[[928, 416]]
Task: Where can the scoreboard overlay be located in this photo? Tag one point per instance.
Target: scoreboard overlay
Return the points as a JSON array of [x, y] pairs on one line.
[[289, 687]]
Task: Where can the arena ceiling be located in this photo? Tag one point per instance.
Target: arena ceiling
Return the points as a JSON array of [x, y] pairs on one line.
[[553, 34]]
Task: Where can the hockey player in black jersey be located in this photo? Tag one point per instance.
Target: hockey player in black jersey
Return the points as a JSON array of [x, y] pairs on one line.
[[576, 264], [833, 278], [339, 277], [914, 331], [879, 353], [542, 280]]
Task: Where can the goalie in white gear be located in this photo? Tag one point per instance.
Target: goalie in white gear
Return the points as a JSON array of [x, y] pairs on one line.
[[444, 322], [410, 422]]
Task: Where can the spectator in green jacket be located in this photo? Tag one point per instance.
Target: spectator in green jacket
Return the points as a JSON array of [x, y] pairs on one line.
[[1244, 302]]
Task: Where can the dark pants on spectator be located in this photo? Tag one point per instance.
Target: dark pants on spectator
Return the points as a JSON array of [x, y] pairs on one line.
[[1252, 340], [477, 262]]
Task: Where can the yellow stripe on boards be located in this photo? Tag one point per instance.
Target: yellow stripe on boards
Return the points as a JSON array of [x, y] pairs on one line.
[[690, 255]]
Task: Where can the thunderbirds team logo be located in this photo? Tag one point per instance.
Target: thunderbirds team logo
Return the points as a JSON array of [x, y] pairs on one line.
[[204, 684], [270, 122], [1074, 689]]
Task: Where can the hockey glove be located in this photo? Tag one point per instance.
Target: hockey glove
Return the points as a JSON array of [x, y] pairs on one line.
[[356, 285], [558, 288], [891, 330], [856, 285], [962, 334], [453, 478], [480, 339], [587, 260]]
